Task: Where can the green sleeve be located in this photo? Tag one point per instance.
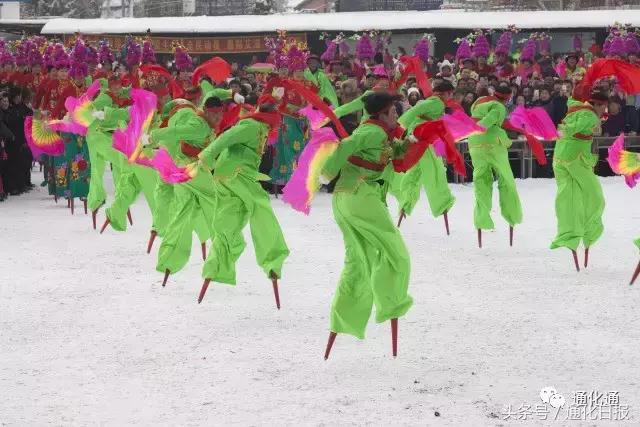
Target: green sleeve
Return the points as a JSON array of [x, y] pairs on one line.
[[494, 117], [112, 115], [185, 125], [351, 107], [326, 89], [583, 121], [345, 149], [103, 100], [431, 108], [236, 135]]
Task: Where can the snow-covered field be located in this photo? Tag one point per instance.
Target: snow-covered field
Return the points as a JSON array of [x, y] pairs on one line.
[[89, 337]]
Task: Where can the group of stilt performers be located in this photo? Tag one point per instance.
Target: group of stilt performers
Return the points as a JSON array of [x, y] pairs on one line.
[[196, 158]]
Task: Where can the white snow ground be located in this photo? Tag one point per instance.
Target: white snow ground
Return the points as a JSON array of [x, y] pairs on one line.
[[89, 337]]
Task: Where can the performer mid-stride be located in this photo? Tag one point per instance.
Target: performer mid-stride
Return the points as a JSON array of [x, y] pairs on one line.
[[579, 201], [376, 266]]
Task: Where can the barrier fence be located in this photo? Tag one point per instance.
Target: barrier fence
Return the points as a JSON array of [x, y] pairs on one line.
[[524, 164]]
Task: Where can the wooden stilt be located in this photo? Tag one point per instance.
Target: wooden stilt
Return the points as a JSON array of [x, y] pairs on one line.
[[575, 260], [635, 275], [105, 225], [446, 222], [332, 338], [152, 238], [394, 337], [586, 257], [203, 246], [276, 293], [401, 218], [85, 206], [166, 277], [480, 238], [129, 217], [203, 290], [510, 235]]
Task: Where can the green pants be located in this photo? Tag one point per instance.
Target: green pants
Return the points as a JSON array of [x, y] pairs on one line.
[[430, 173], [242, 200], [192, 208], [376, 265], [101, 153], [133, 180], [487, 161], [579, 203]]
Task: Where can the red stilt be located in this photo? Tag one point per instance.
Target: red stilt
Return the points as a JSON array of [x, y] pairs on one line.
[[203, 245], [635, 275], [446, 221], [274, 282], [166, 277], [85, 206], [402, 216], [72, 205], [586, 257], [480, 238], [55, 198], [203, 291], [575, 260], [68, 203], [152, 238], [104, 226], [394, 336], [332, 338], [129, 217], [511, 235], [94, 218]]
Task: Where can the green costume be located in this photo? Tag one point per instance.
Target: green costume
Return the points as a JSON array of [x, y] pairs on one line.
[[430, 171], [236, 155], [186, 133], [324, 85], [489, 156], [354, 106], [579, 202], [637, 243], [101, 151], [377, 265]]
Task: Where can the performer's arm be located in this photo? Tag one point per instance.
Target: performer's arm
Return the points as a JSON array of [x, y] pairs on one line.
[[235, 135], [340, 157]]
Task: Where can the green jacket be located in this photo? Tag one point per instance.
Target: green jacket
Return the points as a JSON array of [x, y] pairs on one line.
[[114, 117], [324, 85], [369, 142], [583, 121], [208, 90], [490, 115], [357, 105], [185, 125], [238, 151], [431, 108]]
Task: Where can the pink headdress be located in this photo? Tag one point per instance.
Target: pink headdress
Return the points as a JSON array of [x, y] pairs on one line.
[[421, 49], [481, 46], [464, 50], [59, 57], [79, 68], [131, 52], [182, 58], [104, 52], [528, 51], [148, 53], [503, 46], [364, 47]]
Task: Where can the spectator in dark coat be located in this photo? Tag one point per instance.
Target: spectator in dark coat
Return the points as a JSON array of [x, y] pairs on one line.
[[616, 121]]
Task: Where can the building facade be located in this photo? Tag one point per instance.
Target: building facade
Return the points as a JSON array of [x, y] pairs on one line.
[[363, 5]]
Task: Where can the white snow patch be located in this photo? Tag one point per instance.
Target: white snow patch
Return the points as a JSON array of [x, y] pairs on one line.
[[347, 21], [88, 335]]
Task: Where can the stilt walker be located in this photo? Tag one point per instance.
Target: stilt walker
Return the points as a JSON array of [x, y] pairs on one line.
[[235, 157], [430, 172], [627, 164], [377, 264], [489, 156], [579, 202], [193, 198], [109, 116]]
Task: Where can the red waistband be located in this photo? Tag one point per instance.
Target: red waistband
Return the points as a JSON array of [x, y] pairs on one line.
[[584, 136], [366, 164], [189, 150]]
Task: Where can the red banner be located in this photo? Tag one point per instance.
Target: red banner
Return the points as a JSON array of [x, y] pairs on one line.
[[195, 45]]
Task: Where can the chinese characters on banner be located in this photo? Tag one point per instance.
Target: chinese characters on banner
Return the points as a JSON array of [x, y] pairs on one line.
[[195, 45]]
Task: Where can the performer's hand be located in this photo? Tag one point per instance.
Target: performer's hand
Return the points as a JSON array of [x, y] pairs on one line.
[[98, 115], [324, 180], [412, 139], [238, 99], [145, 139], [278, 92]]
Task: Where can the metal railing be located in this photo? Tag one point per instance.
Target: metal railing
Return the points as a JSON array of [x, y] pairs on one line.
[[520, 154]]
